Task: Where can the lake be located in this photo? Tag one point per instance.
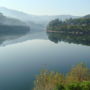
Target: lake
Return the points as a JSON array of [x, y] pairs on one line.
[[22, 57]]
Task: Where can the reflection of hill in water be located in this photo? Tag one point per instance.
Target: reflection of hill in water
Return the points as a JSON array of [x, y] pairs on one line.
[[11, 33], [70, 38]]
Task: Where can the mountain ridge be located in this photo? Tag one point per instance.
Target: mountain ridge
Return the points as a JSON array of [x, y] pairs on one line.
[[34, 18]]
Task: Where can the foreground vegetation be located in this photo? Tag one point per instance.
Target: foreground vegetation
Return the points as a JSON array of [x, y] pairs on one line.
[[73, 26], [77, 79]]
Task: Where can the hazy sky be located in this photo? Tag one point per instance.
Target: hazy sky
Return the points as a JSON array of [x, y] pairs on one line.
[[49, 7]]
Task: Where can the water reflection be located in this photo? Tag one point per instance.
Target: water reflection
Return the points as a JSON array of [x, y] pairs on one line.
[[20, 63], [12, 34], [83, 39]]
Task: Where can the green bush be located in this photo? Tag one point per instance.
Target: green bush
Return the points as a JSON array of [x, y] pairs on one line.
[[74, 86], [59, 87], [85, 85]]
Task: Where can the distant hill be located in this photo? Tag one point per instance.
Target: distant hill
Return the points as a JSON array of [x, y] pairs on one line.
[[36, 23], [10, 21], [12, 26], [87, 16], [28, 17]]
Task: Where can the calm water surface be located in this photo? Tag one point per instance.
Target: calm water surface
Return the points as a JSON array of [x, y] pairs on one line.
[[22, 58]]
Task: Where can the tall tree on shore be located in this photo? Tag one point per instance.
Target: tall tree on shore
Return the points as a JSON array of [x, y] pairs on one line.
[[78, 73]]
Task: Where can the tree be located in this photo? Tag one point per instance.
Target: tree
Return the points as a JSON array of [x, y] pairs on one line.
[[78, 74]]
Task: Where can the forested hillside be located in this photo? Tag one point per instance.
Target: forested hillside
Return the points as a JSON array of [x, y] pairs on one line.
[[78, 26]]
